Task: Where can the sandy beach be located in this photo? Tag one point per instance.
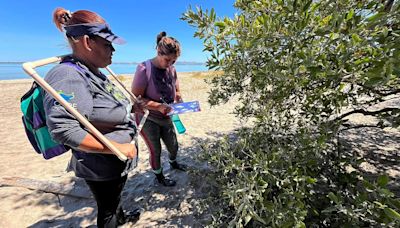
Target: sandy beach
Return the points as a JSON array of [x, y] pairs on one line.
[[176, 207], [162, 207]]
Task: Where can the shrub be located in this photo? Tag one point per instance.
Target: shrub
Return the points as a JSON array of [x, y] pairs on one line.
[[299, 68]]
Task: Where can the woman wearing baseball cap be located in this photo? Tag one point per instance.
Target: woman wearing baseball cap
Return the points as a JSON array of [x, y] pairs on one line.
[[88, 90]]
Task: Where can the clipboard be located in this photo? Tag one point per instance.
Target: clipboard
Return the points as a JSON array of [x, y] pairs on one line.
[[185, 107]]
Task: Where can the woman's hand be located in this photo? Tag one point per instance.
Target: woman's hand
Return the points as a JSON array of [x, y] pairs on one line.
[[139, 105], [92, 145], [178, 97], [164, 108], [129, 150]]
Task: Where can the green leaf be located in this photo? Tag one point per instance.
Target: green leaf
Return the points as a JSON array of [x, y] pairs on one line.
[[342, 86], [374, 80], [294, 5], [307, 5], [385, 32], [379, 204], [329, 210], [247, 219], [385, 192], [220, 24], [350, 14], [356, 39], [369, 186], [258, 218], [363, 60], [333, 197], [395, 203], [311, 180], [300, 225], [383, 180], [326, 20], [334, 36], [212, 14], [374, 17], [392, 213]]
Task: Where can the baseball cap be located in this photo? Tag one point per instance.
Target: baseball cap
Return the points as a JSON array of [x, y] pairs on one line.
[[99, 29]]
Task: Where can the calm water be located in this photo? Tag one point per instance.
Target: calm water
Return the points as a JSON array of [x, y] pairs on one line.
[[14, 71]]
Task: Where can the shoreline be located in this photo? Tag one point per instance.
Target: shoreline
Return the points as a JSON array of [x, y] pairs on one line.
[[25, 80], [16, 81]]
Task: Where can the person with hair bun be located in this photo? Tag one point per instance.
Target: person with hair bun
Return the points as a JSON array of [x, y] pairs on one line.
[[79, 80], [158, 89]]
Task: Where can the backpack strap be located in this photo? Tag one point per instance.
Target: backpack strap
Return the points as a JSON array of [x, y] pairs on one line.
[[148, 69], [82, 71], [30, 91], [74, 65]]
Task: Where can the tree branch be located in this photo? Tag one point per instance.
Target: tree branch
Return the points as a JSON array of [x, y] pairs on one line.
[[365, 112], [382, 93], [350, 127]]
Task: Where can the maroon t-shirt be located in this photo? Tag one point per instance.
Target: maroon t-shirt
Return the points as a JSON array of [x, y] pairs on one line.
[[162, 83]]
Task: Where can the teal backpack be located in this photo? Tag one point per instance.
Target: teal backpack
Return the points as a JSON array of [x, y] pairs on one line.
[[34, 120]]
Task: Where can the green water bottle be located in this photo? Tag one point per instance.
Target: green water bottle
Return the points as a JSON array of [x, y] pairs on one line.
[[178, 124]]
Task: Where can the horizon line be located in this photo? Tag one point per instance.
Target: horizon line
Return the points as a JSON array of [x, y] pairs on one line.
[[118, 62]]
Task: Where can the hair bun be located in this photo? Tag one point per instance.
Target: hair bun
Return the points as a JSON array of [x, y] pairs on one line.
[[160, 36], [65, 17], [61, 17]]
